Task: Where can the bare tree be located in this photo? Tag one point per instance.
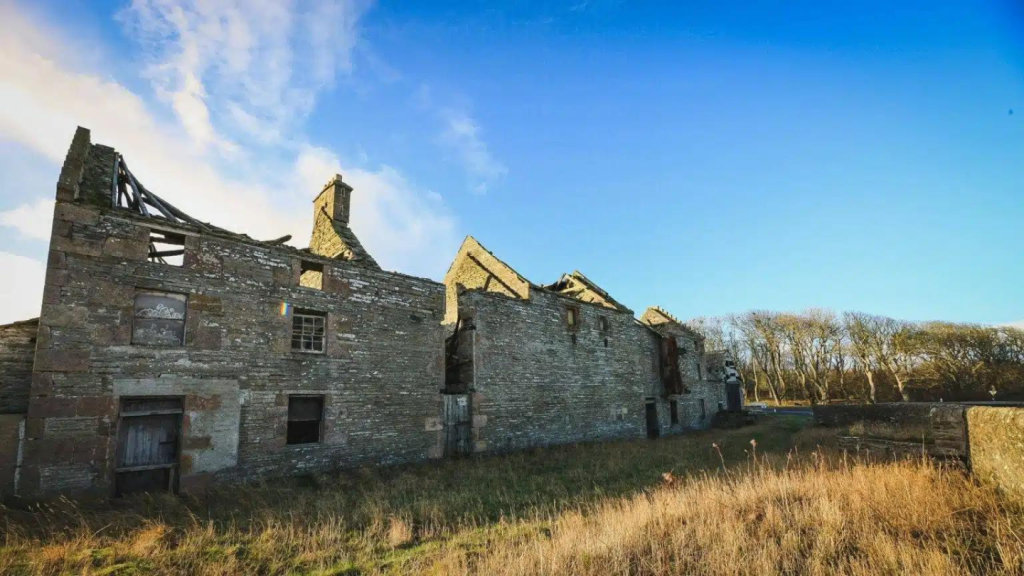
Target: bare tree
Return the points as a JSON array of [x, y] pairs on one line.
[[861, 332], [894, 345]]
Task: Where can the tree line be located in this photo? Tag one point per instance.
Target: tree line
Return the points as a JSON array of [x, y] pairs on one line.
[[820, 356]]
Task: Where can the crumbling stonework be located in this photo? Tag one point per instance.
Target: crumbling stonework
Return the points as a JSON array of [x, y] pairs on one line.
[[245, 358], [566, 362], [379, 374]]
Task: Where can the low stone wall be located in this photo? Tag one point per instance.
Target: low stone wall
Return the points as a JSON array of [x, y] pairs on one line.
[[938, 427], [11, 430], [996, 437]]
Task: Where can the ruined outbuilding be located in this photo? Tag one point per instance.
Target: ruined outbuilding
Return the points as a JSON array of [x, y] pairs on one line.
[[170, 353]]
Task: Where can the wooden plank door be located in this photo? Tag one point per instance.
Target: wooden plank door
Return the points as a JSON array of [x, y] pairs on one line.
[[147, 445], [458, 429]]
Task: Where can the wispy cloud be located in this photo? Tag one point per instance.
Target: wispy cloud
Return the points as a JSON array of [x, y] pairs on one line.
[[45, 94], [254, 67], [32, 220], [462, 134]]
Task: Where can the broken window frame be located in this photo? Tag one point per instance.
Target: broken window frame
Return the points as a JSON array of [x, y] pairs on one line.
[[296, 436], [572, 318], [308, 277], [159, 317], [308, 328], [604, 326], [166, 248]]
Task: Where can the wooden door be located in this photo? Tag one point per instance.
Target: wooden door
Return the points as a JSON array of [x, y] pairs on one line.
[[458, 425], [147, 445]]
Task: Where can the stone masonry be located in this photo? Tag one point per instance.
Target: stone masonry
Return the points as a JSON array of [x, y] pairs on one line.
[[249, 358], [538, 377], [17, 345]]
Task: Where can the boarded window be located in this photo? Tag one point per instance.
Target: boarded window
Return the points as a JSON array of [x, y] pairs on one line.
[[159, 318], [305, 416], [166, 248], [311, 275], [308, 331], [674, 411]]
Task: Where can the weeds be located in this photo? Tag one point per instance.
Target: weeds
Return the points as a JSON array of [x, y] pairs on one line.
[[761, 500]]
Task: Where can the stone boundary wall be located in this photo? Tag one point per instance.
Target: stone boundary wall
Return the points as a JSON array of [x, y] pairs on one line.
[[939, 426], [989, 439], [996, 437]]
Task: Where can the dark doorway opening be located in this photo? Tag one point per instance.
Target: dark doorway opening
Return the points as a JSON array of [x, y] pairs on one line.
[[732, 394], [653, 428]]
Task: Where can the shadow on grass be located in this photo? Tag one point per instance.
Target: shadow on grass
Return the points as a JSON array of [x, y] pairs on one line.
[[382, 516], [454, 492]]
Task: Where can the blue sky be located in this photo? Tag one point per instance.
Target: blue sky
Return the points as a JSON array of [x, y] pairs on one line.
[[709, 157]]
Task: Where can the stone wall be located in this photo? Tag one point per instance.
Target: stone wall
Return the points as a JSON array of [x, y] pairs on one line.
[[939, 426], [11, 430], [379, 376], [996, 437], [17, 348], [537, 382], [211, 339]]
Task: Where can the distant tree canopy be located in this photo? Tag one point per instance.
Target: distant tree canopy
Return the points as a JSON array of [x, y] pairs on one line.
[[820, 356]]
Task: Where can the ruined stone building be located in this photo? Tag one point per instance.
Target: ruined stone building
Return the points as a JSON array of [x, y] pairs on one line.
[[170, 353]]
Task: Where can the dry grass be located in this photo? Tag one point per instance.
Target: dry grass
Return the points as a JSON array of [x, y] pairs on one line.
[[675, 506], [906, 433]]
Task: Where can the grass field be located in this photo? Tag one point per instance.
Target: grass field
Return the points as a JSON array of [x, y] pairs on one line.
[[708, 503]]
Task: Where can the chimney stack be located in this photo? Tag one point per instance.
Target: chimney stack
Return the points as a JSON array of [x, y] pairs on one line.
[[335, 199]]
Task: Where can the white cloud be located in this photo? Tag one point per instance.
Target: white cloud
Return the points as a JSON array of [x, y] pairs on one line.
[[462, 134], [32, 220], [1019, 324], [44, 95], [421, 233], [254, 65], [21, 292]]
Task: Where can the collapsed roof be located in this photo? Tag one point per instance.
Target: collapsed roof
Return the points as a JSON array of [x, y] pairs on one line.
[[105, 180]]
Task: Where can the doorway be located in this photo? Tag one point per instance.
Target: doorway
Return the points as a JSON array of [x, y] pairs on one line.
[[458, 425], [148, 436], [653, 427]]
